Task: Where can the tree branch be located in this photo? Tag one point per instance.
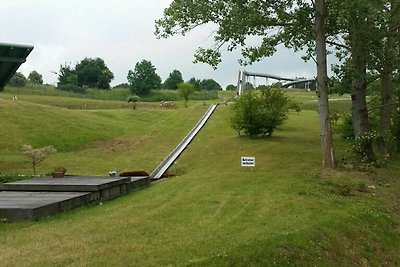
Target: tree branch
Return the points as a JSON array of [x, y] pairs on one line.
[[337, 44]]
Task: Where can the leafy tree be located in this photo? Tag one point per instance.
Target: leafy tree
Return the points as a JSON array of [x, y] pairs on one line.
[[94, 73], [186, 90], [18, 80], [210, 85], [143, 78], [175, 78], [67, 75], [258, 114], [196, 83], [35, 77], [68, 79], [231, 87], [368, 46], [36, 155]]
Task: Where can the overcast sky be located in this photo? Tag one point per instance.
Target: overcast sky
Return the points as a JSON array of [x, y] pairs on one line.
[[122, 33]]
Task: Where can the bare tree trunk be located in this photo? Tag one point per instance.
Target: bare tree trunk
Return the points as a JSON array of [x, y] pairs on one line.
[[34, 167], [328, 153]]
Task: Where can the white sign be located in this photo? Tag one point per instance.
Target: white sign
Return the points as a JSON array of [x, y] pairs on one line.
[[248, 161]]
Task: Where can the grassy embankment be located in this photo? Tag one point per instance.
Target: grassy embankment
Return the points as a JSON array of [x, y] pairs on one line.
[[89, 141], [284, 212]]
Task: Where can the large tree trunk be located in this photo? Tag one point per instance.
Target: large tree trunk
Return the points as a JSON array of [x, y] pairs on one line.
[[397, 113], [358, 28], [386, 105], [358, 36], [328, 155], [359, 89], [386, 96], [387, 75], [398, 122]]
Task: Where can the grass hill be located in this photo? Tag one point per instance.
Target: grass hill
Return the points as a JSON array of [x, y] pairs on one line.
[[89, 141], [283, 212]]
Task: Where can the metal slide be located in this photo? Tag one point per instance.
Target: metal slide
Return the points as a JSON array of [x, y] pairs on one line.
[[169, 160]]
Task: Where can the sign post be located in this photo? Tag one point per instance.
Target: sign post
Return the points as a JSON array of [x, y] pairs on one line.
[[248, 161]]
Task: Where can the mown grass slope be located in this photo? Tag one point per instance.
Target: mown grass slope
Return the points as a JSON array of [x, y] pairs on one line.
[[283, 212], [90, 141]]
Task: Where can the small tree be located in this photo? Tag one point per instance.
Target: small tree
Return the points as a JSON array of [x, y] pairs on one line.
[[186, 90], [133, 99], [35, 77], [259, 113], [143, 78], [18, 80], [36, 155]]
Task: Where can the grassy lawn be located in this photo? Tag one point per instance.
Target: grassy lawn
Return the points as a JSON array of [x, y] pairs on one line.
[[90, 141], [283, 212]]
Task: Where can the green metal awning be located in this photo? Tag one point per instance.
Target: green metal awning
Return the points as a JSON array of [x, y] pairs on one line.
[[11, 57]]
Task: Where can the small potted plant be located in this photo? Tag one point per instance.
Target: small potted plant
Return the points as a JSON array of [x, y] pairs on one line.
[[59, 172]]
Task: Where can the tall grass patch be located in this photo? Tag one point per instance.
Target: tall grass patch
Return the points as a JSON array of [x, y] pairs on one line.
[[116, 94]]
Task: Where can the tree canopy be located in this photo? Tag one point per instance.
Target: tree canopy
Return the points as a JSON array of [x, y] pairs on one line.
[[18, 80], [231, 87], [93, 73], [196, 83], [67, 75], [143, 78], [174, 78], [88, 73], [210, 85], [35, 77]]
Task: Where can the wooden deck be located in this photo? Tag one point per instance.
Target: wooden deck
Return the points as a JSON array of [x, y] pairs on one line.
[[37, 198]]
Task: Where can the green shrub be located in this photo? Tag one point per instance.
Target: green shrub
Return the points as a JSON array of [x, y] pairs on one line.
[[342, 124], [360, 151], [258, 114], [294, 106]]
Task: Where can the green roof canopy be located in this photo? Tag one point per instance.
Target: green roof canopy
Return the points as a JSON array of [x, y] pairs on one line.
[[11, 57]]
